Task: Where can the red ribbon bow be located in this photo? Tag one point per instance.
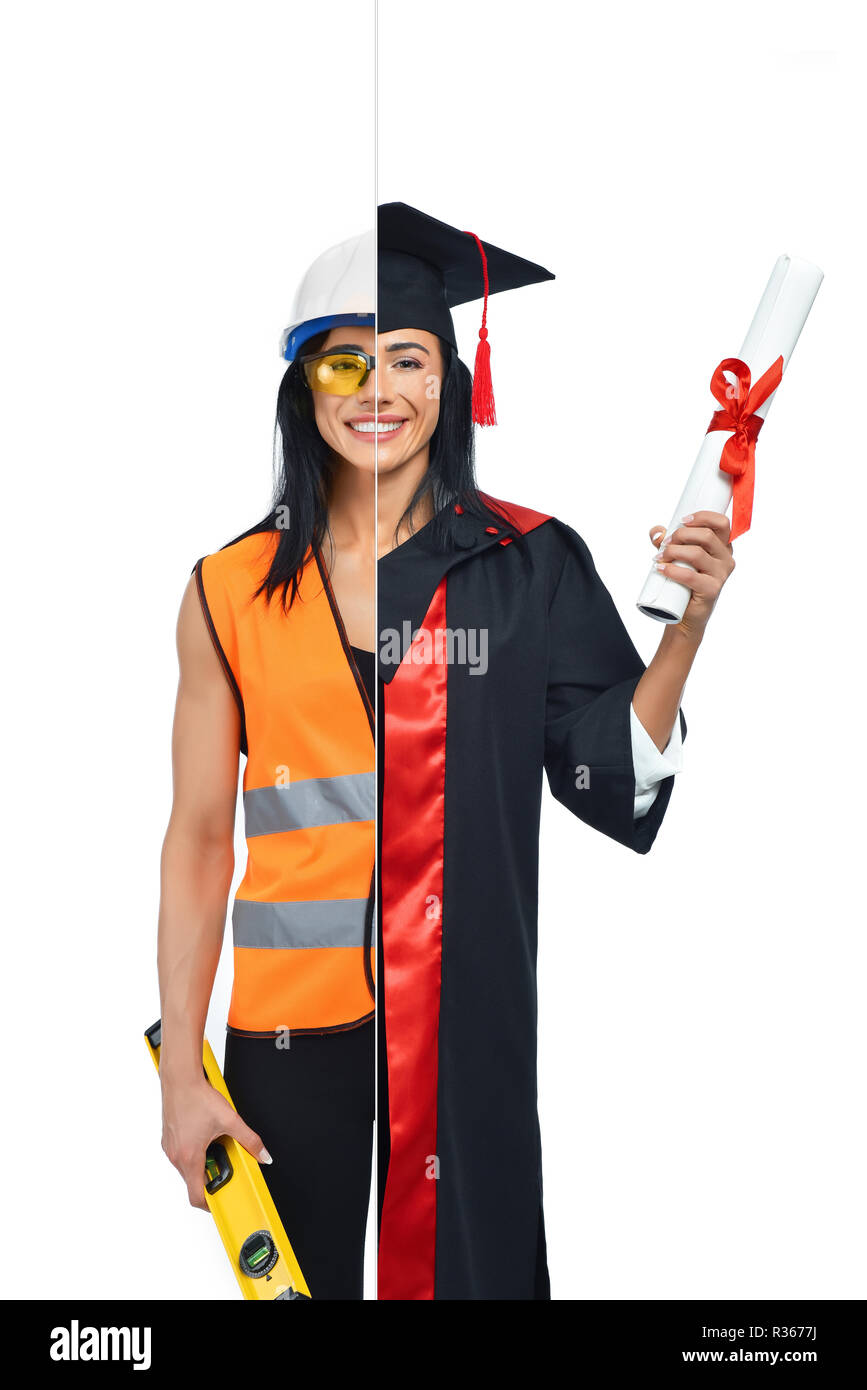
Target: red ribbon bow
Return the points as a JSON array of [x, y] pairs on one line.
[[739, 404]]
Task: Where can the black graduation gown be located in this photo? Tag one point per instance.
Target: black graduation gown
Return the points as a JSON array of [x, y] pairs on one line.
[[461, 758]]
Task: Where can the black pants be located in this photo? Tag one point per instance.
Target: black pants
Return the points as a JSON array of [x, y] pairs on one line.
[[313, 1105]]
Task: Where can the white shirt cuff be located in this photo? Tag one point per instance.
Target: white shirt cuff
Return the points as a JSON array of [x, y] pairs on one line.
[[652, 767]]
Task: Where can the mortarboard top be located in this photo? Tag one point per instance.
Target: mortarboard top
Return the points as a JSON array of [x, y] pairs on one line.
[[425, 267]]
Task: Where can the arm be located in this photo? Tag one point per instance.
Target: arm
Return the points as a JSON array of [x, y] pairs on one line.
[[703, 541], [196, 874], [659, 692]]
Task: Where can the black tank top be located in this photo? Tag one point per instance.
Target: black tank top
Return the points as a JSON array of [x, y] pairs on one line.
[[365, 661]]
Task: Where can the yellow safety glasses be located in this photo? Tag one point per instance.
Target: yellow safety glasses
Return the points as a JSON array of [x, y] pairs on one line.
[[337, 373]]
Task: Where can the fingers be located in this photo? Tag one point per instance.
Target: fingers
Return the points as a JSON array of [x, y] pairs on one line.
[[205, 1115], [194, 1177], [247, 1138], [703, 585], [190, 1163], [710, 530], [717, 522], [703, 536], [702, 542], [698, 557]]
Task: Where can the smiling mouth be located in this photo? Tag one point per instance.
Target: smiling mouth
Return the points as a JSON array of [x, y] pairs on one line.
[[379, 429]]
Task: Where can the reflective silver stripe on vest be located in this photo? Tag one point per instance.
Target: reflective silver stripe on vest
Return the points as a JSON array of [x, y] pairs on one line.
[[291, 926], [315, 801]]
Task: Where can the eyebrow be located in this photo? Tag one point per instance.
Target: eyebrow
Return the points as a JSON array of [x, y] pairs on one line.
[[344, 347], [401, 347]]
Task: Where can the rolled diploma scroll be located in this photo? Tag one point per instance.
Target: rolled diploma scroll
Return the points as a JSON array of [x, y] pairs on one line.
[[775, 329]]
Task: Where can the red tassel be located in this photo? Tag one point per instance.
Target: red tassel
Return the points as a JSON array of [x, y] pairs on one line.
[[484, 408]]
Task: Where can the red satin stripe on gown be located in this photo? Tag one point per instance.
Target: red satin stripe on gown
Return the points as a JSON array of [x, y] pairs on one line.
[[412, 888]]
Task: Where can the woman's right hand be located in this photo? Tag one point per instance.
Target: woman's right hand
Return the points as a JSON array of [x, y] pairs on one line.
[[194, 1114]]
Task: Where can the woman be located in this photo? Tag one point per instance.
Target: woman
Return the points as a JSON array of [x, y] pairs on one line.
[[501, 655], [275, 641]]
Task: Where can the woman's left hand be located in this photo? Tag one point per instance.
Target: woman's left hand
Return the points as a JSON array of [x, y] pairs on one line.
[[701, 540]]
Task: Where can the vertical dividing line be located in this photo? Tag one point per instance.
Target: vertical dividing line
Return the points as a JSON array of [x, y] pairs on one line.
[[377, 750]]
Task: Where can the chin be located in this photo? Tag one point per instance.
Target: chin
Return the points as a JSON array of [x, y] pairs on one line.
[[390, 458], [366, 463], [387, 465]]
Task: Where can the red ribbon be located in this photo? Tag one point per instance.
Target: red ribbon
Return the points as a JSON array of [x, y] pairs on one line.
[[739, 403]]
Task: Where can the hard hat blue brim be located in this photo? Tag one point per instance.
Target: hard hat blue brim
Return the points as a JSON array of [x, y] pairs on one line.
[[305, 331]]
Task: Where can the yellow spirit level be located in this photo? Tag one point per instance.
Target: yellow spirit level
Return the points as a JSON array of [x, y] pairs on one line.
[[243, 1208]]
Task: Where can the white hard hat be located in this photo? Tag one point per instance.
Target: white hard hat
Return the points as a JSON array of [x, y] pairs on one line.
[[339, 288]]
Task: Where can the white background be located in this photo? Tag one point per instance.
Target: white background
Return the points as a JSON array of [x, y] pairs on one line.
[[168, 175]]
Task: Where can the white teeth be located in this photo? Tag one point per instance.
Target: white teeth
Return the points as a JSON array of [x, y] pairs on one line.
[[379, 426]]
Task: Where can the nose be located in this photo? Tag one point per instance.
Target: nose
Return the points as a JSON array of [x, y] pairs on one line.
[[384, 397], [368, 393]]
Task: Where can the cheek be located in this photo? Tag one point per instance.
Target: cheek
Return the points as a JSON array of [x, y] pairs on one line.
[[432, 415], [325, 412], [425, 399]]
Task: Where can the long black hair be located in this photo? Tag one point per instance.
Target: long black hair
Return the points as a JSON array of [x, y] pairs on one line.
[[305, 468]]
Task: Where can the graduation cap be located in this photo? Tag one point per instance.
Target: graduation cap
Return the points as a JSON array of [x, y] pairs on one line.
[[425, 267]]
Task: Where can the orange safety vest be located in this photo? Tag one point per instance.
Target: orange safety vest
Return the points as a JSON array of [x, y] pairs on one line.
[[303, 914]]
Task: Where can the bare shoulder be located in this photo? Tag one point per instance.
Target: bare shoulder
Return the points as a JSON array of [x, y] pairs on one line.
[[197, 656], [206, 735]]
